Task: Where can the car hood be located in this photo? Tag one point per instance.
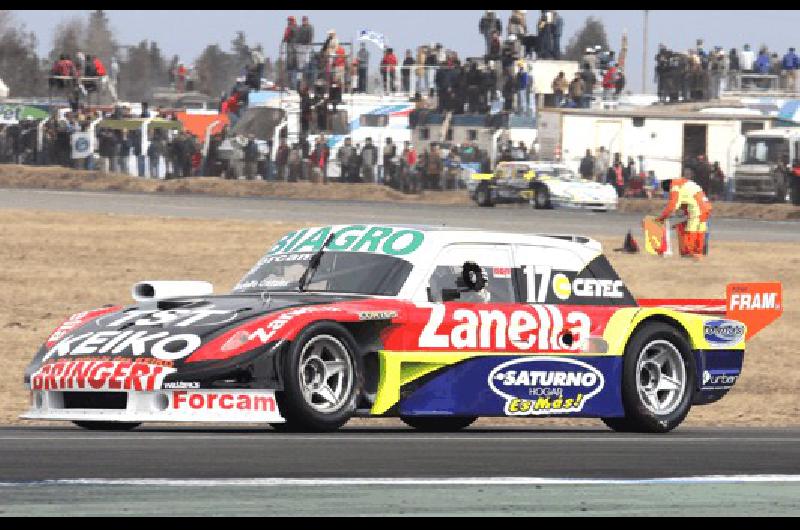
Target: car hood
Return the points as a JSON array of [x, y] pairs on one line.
[[170, 330]]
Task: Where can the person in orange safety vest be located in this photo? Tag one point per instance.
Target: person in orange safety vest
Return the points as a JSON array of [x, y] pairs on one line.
[[687, 196]]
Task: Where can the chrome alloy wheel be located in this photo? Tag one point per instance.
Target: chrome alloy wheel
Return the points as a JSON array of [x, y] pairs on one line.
[[326, 374], [661, 377]]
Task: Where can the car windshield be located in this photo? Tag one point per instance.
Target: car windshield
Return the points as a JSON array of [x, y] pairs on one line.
[[338, 272], [765, 150]]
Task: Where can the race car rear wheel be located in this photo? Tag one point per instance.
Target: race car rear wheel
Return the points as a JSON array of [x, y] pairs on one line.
[[320, 378], [438, 423], [657, 382], [541, 198], [106, 425]]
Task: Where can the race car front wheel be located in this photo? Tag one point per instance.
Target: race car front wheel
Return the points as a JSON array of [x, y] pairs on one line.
[[106, 425], [320, 380], [657, 382], [483, 195], [438, 423]]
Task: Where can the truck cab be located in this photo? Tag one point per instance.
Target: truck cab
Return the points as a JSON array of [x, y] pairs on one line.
[[764, 172]]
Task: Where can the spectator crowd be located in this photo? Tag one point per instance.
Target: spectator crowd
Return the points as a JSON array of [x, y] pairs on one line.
[[116, 149], [631, 178], [702, 75], [499, 80]]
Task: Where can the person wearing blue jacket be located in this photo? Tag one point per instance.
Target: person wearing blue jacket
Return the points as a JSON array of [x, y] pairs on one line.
[[762, 62], [789, 66]]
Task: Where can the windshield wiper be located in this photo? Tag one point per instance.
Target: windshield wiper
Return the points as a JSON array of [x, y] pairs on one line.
[[313, 264]]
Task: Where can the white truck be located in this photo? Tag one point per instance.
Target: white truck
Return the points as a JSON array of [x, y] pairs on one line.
[[765, 170]]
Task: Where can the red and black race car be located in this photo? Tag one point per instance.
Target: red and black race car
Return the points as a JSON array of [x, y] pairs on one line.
[[435, 326]]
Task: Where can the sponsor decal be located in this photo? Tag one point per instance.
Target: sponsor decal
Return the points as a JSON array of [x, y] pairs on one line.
[[501, 272], [376, 315], [719, 380], [74, 322], [755, 304], [95, 374], [723, 333], [750, 301], [586, 287], [542, 284], [562, 286], [263, 284], [542, 327], [269, 330], [161, 345], [179, 318], [222, 401], [355, 238], [545, 385], [181, 384]]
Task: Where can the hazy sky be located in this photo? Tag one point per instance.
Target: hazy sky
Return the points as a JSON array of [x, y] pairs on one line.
[[186, 32]]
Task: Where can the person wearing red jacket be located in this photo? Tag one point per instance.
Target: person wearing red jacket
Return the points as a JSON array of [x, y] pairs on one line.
[[180, 75], [610, 81], [409, 170], [388, 69], [339, 64], [231, 107], [64, 67], [99, 68]]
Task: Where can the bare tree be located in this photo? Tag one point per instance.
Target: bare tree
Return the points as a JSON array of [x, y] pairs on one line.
[[214, 70], [6, 20], [19, 64], [217, 69], [99, 40], [592, 33], [68, 38]]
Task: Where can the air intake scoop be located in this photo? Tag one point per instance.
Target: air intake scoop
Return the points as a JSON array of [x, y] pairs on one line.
[[159, 290]]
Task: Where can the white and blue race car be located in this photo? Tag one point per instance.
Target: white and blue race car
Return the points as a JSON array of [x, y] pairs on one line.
[[542, 184]]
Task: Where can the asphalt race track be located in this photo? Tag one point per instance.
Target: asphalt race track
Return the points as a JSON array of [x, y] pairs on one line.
[[514, 218], [400, 471], [179, 453]]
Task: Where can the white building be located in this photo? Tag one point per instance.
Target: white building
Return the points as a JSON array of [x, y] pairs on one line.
[[664, 136]]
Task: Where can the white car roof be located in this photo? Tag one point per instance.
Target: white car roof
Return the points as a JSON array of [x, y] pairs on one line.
[[420, 244], [436, 237]]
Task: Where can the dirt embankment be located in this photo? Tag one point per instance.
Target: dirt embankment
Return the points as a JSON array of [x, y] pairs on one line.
[[59, 178], [55, 264], [734, 210]]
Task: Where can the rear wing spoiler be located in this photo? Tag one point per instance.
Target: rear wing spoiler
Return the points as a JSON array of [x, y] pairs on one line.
[[754, 304]]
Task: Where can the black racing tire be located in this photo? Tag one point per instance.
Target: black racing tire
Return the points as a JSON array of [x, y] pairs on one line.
[[301, 412], [541, 198], [638, 416], [483, 195], [106, 425], [438, 423]]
